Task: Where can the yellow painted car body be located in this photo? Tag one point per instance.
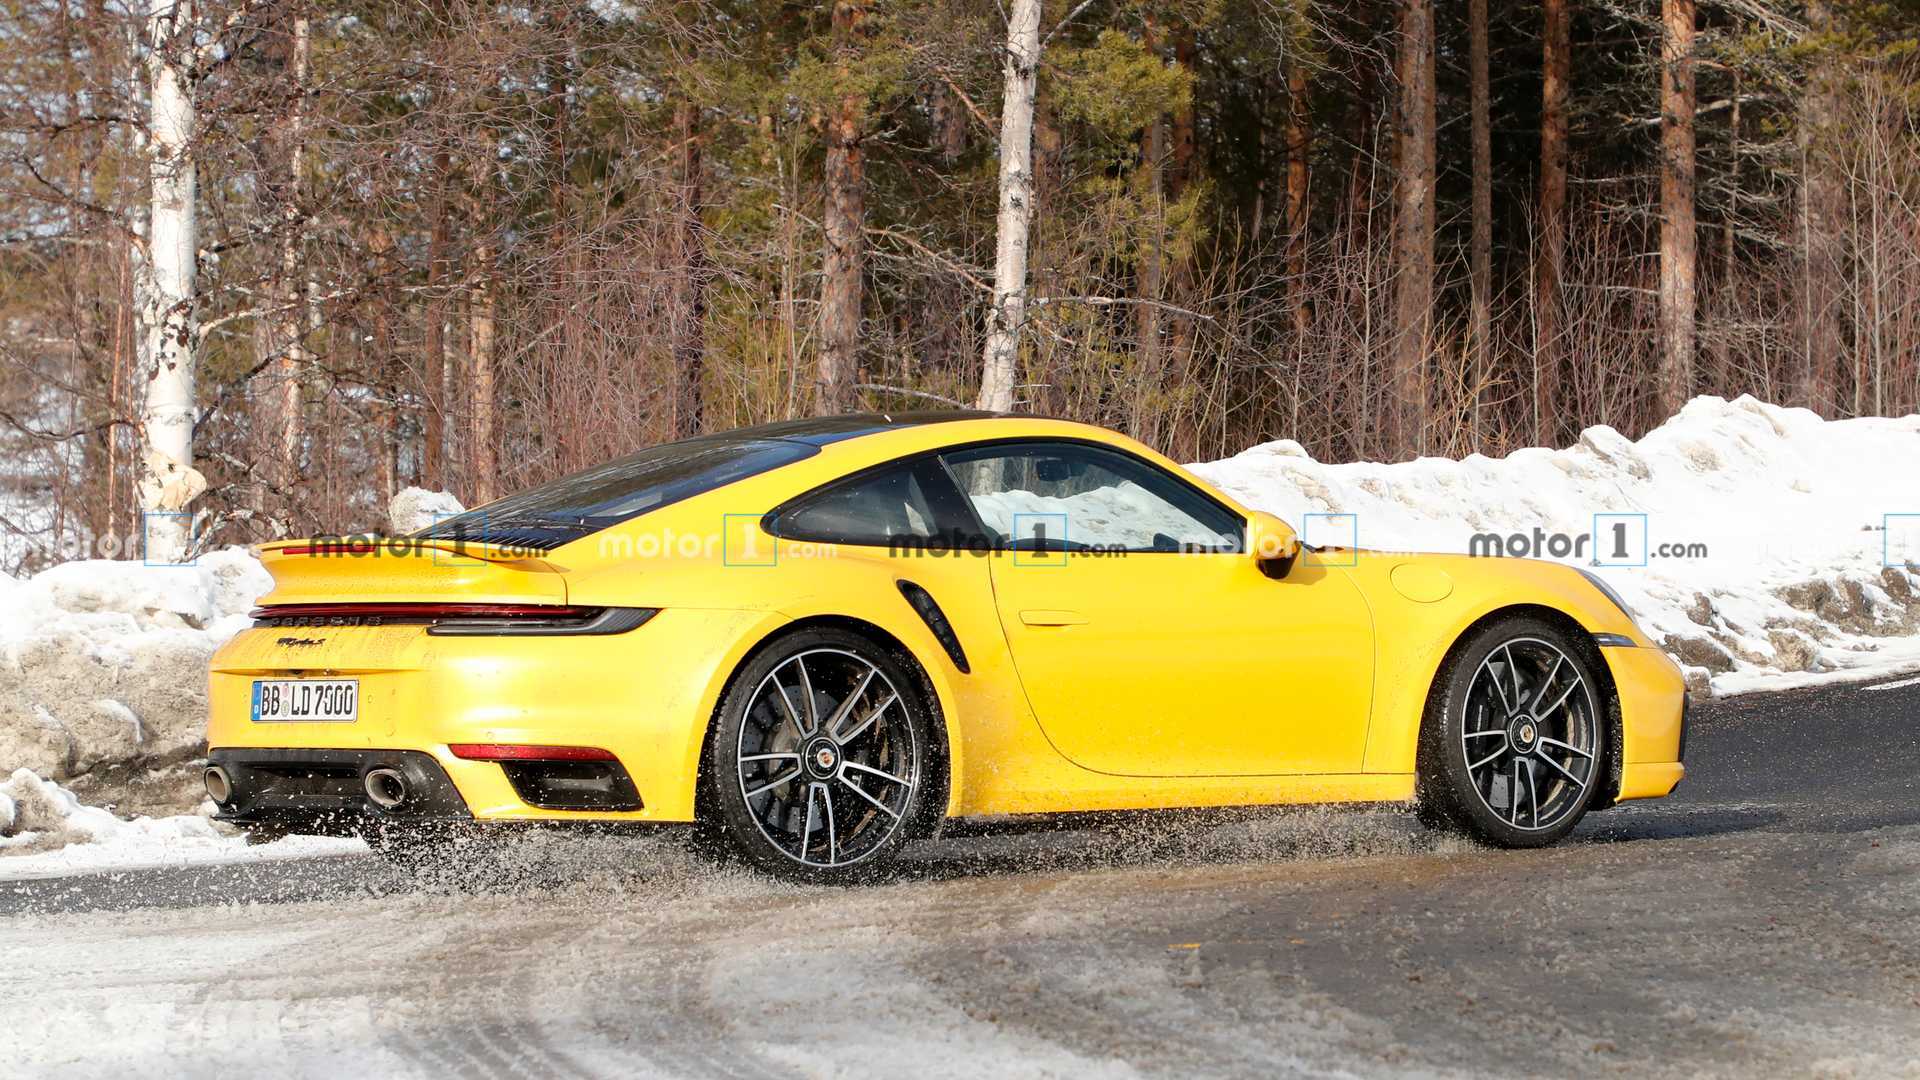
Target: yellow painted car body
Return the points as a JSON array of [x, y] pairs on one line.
[[1096, 682]]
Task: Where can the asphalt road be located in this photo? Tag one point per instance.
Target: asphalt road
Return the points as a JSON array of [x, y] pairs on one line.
[[1765, 921]]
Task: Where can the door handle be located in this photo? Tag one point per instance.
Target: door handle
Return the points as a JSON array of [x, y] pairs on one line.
[[1052, 618]]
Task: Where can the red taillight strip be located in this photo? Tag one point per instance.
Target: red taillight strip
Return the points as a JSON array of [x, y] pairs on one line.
[[425, 611], [522, 752]]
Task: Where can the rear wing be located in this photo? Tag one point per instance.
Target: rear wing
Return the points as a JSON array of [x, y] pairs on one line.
[[408, 570]]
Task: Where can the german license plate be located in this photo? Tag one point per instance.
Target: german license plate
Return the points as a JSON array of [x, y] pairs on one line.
[[335, 701]]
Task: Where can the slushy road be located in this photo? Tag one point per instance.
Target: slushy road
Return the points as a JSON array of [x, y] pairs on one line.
[[1763, 921]]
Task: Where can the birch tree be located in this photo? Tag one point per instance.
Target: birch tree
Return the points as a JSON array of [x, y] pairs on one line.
[[1016, 208], [164, 284]]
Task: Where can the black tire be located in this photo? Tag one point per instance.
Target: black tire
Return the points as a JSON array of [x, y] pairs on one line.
[[1499, 760], [841, 814]]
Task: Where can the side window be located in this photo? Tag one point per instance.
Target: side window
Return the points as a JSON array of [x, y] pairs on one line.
[[876, 509], [1096, 497]]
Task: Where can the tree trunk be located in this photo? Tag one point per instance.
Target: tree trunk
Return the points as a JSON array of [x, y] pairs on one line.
[[1550, 259], [1678, 240], [1729, 239], [168, 482], [388, 371], [1045, 276], [1480, 247], [690, 282], [1822, 222], [290, 293], [483, 451], [1299, 145], [1413, 231], [1181, 152], [1151, 283], [844, 264], [950, 120], [433, 380], [1002, 355], [1150, 278]]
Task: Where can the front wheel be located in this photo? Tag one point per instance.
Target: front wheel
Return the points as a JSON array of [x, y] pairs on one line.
[[821, 761], [1512, 747]]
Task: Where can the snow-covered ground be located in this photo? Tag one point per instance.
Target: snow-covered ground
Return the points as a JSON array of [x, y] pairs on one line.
[[102, 664]]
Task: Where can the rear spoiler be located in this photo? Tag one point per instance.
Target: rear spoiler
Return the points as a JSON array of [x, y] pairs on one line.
[[405, 569]]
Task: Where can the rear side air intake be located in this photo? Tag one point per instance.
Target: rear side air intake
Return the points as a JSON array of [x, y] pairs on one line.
[[936, 620]]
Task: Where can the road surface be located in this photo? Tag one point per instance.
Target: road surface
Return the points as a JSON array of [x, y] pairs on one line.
[[1763, 921]]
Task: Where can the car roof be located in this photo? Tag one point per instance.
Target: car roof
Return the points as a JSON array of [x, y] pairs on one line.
[[822, 430]]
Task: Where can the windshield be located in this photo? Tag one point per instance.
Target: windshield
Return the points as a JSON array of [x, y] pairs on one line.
[[588, 501]]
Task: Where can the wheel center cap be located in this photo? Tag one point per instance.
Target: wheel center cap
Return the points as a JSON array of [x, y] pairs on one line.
[[823, 758], [1523, 733]]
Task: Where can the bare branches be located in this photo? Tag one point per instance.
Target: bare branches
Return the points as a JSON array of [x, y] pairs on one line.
[[1121, 301]]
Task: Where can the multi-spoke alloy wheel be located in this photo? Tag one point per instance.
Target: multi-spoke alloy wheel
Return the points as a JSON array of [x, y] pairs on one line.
[[1513, 752], [1529, 737], [821, 755]]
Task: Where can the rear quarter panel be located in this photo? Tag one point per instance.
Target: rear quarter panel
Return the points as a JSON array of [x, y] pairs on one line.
[[642, 695]]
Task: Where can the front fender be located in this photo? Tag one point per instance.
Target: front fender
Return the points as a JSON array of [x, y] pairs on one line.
[[1417, 628]]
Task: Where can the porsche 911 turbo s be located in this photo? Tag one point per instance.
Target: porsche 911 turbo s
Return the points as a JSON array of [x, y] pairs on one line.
[[816, 641]]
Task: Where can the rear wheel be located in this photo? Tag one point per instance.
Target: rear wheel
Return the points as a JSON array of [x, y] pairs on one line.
[[1511, 750], [821, 758]]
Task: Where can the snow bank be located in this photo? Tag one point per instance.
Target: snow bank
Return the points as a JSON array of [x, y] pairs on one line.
[[103, 664], [1792, 585], [413, 509], [46, 831]]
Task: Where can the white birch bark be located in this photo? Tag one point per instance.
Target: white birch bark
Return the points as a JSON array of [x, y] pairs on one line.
[[168, 481], [1002, 353], [295, 285]]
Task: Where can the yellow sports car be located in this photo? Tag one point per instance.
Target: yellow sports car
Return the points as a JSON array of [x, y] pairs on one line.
[[818, 640]]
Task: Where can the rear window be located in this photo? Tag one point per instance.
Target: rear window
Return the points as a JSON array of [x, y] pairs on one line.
[[586, 502]]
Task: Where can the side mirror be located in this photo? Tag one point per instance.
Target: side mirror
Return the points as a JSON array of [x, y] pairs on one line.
[[1272, 543]]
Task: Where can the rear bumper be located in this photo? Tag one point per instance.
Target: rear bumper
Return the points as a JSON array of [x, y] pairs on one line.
[[303, 786], [321, 788]]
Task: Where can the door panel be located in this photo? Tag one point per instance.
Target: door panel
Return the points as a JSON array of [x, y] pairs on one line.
[[1177, 664]]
